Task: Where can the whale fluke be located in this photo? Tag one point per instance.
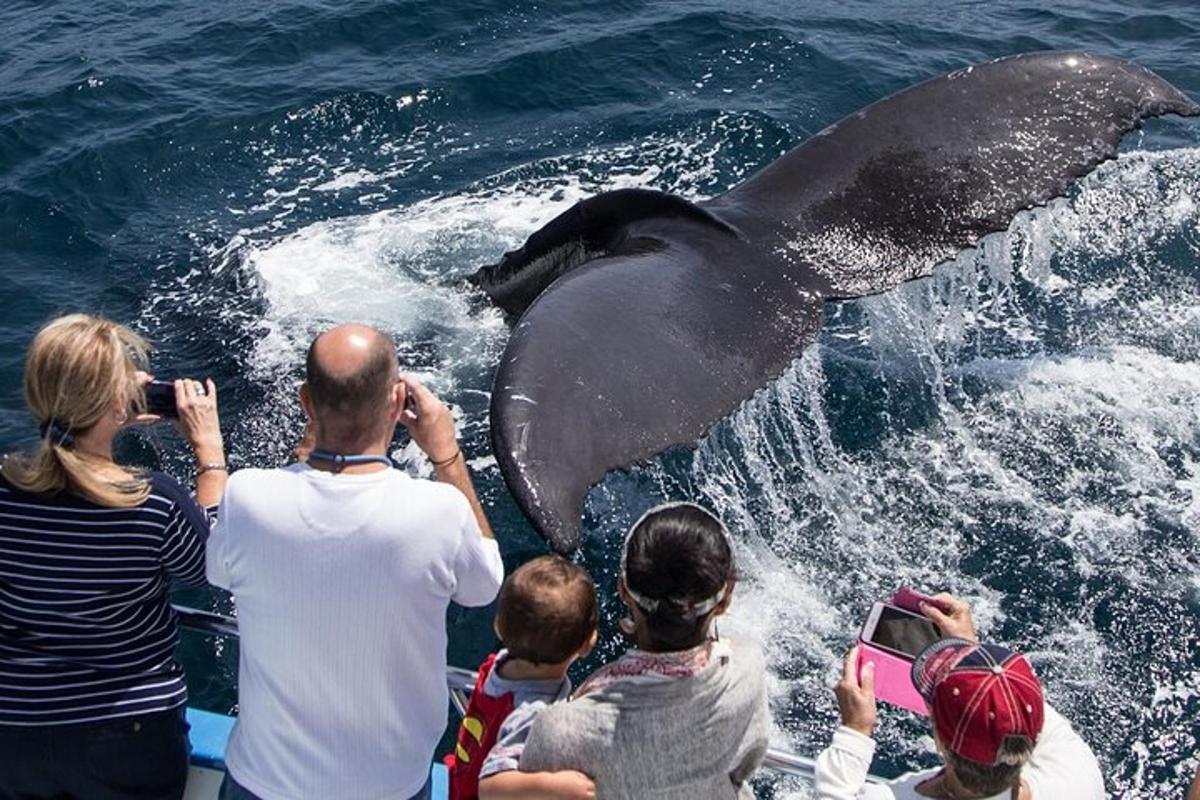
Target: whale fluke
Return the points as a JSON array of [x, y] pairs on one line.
[[645, 319]]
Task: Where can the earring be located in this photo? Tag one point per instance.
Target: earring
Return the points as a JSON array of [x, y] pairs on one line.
[[122, 417]]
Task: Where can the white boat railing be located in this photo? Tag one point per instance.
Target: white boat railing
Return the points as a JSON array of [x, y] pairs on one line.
[[460, 682]]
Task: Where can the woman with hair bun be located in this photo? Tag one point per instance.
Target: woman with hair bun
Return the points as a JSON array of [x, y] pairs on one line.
[[684, 714], [91, 695]]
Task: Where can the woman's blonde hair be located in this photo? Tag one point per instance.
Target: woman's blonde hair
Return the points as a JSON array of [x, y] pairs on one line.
[[77, 369]]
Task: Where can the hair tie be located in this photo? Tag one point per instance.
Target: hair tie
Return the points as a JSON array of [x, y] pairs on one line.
[[57, 433], [690, 610]]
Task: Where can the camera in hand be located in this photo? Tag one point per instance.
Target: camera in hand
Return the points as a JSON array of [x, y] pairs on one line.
[[160, 399]]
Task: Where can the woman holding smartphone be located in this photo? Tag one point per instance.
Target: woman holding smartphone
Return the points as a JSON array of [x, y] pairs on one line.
[[91, 696]]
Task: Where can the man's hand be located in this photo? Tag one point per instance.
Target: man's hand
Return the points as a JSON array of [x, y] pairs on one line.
[[428, 421], [856, 701], [430, 425], [953, 618]]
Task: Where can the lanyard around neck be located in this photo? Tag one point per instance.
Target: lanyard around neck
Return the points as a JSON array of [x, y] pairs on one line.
[[343, 460]]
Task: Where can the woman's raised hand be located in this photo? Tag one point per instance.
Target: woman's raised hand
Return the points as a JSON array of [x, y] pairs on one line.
[[199, 421]]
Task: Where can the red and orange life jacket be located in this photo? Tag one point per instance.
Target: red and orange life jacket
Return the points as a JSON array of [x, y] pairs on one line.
[[476, 735]]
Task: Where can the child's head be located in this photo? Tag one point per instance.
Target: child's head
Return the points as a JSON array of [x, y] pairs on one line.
[[547, 612]]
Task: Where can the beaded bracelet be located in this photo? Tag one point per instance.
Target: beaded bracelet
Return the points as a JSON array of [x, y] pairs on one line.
[[214, 467]]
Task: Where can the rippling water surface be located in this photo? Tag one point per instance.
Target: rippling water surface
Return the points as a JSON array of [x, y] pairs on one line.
[[1022, 428]]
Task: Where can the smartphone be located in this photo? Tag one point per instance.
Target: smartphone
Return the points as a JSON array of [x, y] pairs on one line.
[[890, 639], [160, 398]]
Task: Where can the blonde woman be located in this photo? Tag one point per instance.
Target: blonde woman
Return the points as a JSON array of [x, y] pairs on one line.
[[91, 695]]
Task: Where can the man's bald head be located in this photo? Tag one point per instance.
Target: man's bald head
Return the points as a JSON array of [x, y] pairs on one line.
[[350, 373]]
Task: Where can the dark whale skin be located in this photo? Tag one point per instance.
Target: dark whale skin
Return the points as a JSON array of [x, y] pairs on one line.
[[644, 318]]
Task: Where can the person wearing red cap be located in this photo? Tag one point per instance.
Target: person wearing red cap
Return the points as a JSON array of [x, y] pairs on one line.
[[998, 737]]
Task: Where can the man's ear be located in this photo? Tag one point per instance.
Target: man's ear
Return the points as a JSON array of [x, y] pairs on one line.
[[399, 396]]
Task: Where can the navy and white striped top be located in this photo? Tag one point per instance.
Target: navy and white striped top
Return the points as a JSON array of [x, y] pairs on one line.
[[86, 629]]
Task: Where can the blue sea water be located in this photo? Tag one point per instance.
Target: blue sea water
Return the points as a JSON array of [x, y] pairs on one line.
[[1022, 428]]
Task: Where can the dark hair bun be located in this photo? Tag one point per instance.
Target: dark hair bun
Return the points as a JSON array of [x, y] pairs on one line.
[[678, 556]]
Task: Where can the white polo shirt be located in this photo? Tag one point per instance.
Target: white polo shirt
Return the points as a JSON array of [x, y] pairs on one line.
[[342, 584]]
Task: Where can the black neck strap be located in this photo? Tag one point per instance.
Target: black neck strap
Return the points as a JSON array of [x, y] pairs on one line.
[[343, 460]]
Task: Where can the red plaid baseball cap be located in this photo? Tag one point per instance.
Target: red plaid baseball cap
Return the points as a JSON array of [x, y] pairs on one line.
[[978, 694]]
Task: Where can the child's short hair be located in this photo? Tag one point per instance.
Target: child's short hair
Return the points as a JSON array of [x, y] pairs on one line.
[[547, 610]]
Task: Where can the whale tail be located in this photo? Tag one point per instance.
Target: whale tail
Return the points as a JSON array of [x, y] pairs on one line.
[[634, 353], [644, 318]]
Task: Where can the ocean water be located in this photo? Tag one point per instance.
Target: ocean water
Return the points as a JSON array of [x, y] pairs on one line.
[[1022, 428]]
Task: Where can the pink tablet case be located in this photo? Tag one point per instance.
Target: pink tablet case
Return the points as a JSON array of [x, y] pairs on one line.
[[893, 673], [893, 678]]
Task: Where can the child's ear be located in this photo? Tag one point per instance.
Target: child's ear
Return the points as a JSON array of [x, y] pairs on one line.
[[591, 643]]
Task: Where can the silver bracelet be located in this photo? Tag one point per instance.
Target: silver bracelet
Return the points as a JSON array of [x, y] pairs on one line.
[[213, 467]]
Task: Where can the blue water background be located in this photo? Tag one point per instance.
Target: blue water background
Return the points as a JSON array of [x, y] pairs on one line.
[[229, 177]]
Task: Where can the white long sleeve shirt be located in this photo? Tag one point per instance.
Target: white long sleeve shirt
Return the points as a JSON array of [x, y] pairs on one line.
[[1062, 767], [342, 584]]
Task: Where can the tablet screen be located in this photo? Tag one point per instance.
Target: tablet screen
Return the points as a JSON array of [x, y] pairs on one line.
[[902, 632]]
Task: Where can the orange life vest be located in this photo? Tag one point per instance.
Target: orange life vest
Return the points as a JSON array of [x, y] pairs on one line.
[[476, 735]]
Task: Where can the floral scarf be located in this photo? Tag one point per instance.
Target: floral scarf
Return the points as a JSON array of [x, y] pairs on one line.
[[638, 666]]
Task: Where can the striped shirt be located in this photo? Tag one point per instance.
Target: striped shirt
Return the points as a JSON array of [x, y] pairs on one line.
[[86, 629]]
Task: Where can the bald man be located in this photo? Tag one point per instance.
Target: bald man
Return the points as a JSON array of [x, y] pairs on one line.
[[342, 569]]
